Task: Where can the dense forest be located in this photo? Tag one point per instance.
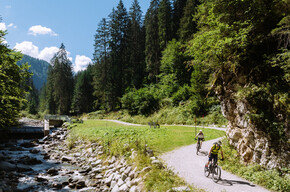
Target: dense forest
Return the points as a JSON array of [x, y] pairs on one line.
[[201, 55]]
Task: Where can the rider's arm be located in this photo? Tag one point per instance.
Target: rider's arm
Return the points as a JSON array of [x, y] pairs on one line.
[[209, 151], [222, 153]]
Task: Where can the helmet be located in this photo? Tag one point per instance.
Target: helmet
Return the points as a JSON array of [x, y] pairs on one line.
[[200, 130]]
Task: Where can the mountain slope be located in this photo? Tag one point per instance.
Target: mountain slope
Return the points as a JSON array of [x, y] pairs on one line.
[[39, 69]]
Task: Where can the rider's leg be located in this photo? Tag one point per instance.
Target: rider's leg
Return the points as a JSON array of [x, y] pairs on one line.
[[209, 160]]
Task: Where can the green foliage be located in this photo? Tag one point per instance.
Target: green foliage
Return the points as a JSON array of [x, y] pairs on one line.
[[183, 94], [59, 88], [164, 23], [12, 84], [152, 46], [271, 179], [140, 101], [83, 92]]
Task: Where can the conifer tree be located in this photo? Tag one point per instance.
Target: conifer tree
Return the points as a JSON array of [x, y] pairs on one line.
[[119, 54], [137, 46], [152, 45], [187, 25], [60, 83], [102, 68], [82, 101], [164, 23], [177, 14]]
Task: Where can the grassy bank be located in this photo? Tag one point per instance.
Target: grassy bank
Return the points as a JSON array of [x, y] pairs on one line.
[[168, 115], [271, 179], [122, 140]]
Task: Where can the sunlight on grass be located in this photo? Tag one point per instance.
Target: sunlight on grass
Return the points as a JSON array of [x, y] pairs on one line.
[[160, 140]]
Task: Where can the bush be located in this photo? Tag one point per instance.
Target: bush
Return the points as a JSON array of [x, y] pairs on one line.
[[140, 102], [183, 94]]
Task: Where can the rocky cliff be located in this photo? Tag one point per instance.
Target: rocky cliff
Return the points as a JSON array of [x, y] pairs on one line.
[[252, 143]]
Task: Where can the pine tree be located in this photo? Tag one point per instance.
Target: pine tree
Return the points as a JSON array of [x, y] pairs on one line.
[[60, 83], [32, 98], [152, 45], [164, 23], [82, 101], [178, 11], [102, 67], [187, 25], [137, 46], [119, 54]]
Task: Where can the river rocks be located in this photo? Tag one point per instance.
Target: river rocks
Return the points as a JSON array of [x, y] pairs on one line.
[[52, 172], [66, 158], [26, 160]]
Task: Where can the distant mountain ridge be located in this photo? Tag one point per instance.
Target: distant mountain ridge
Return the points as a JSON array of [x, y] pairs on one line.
[[39, 69]]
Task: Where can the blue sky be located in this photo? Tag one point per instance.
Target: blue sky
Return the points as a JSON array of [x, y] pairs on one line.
[[38, 27]]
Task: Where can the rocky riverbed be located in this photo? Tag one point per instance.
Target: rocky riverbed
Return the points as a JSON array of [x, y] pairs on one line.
[[49, 165]]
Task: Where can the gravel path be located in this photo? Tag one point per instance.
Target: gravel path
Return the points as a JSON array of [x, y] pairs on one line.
[[189, 166], [122, 122]]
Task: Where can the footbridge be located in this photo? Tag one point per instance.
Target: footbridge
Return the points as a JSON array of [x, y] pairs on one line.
[[55, 121]]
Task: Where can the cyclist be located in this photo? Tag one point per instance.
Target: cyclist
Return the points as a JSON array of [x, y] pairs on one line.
[[213, 153], [200, 137]]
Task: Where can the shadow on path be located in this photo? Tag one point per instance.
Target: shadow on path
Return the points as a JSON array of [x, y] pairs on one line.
[[226, 182]]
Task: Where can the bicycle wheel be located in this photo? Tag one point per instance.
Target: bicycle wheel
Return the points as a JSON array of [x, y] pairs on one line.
[[197, 148], [216, 174], [206, 171]]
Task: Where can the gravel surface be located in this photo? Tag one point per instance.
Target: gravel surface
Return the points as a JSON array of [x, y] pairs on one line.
[[190, 166]]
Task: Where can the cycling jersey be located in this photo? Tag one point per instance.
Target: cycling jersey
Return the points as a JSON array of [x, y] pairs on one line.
[[200, 135], [215, 148]]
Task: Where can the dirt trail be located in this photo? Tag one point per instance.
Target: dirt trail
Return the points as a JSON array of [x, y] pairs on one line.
[[189, 166]]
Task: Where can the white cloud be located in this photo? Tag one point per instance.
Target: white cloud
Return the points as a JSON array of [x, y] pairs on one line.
[[40, 30], [81, 63], [27, 47], [11, 25], [3, 27], [47, 53]]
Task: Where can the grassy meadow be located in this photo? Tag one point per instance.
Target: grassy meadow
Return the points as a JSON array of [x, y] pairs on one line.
[[118, 139], [163, 139]]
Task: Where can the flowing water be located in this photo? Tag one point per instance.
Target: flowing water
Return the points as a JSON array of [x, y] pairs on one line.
[[25, 168]]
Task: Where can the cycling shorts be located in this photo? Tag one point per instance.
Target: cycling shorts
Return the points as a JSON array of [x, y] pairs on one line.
[[213, 156]]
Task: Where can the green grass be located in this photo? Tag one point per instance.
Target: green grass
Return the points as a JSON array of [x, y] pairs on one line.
[[160, 140], [121, 140], [275, 180]]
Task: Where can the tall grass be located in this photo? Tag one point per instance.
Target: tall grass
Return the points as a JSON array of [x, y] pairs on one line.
[[180, 115]]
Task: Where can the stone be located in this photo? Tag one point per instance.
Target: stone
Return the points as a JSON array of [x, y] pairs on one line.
[[134, 189], [96, 163], [157, 163], [145, 169], [40, 179], [52, 171], [109, 180], [26, 160], [34, 151], [124, 187], [80, 184], [179, 189], [66, 158], [120, 182], [57, 185], [128, 169], [115, 189], [113, 183]]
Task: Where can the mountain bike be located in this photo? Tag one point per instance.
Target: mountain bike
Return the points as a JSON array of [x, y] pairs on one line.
[[198, 146], [214, 170]]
